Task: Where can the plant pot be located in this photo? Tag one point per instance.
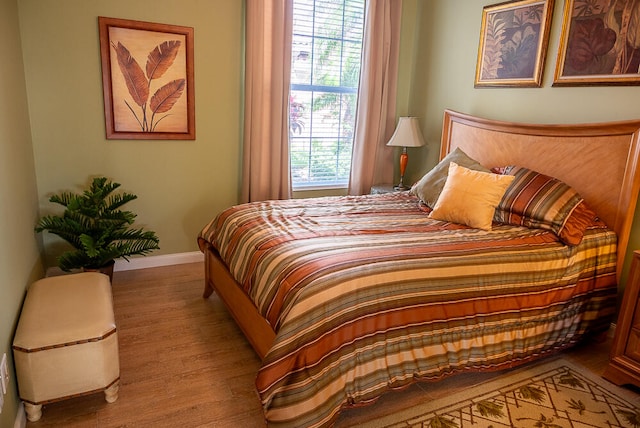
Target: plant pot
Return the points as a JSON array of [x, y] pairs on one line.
[[106, 269]]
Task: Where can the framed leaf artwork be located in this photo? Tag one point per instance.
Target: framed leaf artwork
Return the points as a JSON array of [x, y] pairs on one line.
[[147, 80], [513, 43], [600, 43]]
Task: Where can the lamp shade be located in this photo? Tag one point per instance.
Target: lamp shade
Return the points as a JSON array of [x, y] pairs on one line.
[[407, 133]]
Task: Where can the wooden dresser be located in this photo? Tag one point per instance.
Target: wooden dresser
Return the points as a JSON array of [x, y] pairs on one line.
[[624, 362]]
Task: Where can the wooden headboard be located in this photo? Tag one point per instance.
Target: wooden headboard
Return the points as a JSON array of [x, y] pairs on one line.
[[599, 160]]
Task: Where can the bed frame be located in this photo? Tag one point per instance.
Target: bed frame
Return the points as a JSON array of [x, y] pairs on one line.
[[599, 160]]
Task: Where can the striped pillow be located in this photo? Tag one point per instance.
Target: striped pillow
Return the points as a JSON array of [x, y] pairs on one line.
[[539, 201]]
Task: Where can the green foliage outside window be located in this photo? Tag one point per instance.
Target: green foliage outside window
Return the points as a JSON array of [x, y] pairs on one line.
[[325, 77]]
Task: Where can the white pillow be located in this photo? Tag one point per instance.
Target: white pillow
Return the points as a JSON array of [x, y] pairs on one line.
[[470, 197]]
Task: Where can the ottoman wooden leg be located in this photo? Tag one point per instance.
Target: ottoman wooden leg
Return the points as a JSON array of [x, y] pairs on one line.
[[34, 411], [111, 393]]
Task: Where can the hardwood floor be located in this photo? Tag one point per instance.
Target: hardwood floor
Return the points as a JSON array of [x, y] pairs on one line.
[[184, 363]]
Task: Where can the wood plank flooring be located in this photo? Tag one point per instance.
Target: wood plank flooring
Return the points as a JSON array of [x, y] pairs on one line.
[[184, 363]]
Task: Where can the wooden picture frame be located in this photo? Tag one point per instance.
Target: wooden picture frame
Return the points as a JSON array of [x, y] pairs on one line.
[[598, 44], [147, 80], [513, 43]]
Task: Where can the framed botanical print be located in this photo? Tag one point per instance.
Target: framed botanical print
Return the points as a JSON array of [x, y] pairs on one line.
[[513, 43], [600, 43], [147, 80]]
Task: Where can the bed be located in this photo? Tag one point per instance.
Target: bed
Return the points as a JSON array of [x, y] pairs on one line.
[[345, 298]]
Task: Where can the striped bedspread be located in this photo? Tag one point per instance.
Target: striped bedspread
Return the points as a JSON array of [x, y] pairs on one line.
[[367, 294]]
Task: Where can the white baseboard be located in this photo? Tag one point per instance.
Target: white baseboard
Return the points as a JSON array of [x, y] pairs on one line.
[[145, 262], [161, 260], [21, 417]]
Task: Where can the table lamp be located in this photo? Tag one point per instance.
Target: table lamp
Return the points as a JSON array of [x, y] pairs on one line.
[[407, 134]]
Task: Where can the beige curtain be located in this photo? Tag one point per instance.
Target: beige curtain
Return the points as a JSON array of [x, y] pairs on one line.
[[265, 158], [372, 160]]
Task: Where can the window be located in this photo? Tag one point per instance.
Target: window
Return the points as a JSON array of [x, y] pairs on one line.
[[325, 71]]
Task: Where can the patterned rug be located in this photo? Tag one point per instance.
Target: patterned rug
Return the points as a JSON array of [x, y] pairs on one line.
[[557, 394]]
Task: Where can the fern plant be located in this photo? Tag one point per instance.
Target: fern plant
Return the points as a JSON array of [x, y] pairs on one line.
[[96, 227]]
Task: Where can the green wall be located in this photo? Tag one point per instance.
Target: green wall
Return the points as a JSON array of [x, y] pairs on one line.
[[20, 262], [180, 184], [446, 56]]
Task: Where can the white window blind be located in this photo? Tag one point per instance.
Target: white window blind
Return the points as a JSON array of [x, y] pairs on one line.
[[325, 71]]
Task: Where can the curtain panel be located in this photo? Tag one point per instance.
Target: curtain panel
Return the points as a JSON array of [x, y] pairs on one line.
[[265, 157], [372, 160]]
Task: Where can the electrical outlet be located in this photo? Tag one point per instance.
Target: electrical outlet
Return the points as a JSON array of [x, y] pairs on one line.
[[4, 373]]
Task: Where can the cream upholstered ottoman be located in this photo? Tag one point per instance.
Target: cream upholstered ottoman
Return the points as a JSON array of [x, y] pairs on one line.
[[66, 342]]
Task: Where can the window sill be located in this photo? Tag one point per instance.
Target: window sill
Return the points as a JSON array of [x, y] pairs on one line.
[[314, 187]]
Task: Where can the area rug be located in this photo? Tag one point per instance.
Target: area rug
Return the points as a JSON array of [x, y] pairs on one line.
[[557, 394]]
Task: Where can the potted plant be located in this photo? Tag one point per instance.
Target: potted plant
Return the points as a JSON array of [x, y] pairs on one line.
[[97, 228]]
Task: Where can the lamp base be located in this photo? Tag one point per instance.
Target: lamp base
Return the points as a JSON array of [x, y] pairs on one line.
[[401, 186]]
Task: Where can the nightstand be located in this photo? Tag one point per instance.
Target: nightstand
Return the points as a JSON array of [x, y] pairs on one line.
[[379, 189], [624, 363]]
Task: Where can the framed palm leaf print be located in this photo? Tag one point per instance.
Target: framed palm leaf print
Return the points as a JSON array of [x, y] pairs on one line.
[[147, 80], [513, 43], [600, 43]]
